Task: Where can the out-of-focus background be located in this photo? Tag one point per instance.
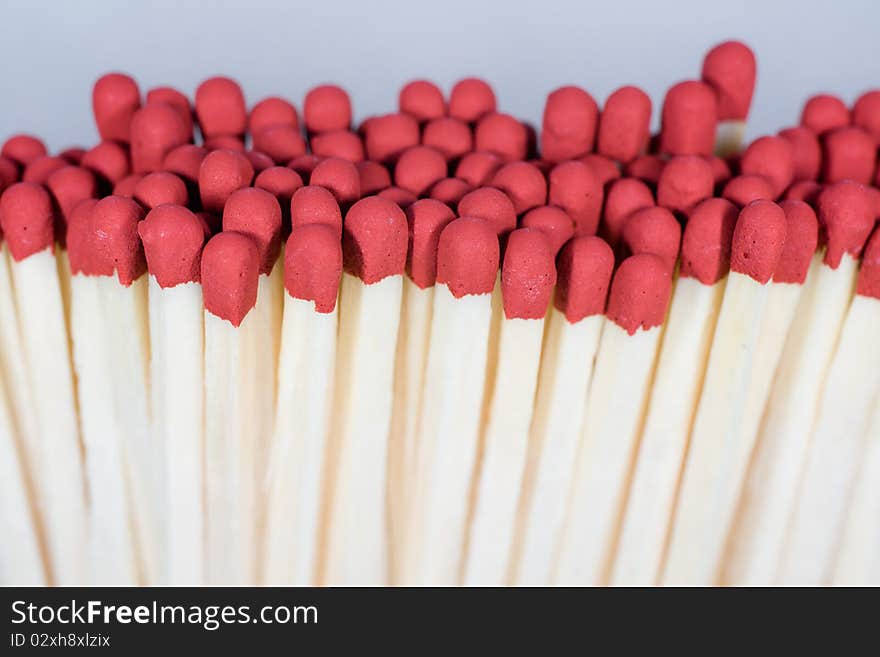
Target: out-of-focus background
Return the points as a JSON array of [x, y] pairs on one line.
[[51, 52]]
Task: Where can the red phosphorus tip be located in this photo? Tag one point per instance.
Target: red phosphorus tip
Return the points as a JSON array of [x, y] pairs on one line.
[[850, 154], [155, 131], [866, 113], [109, 161], [575, 188], [160, 188], [338, 143], [720, 170], [173, 238], [686, 180], [304, 165], [640, 292], [386, 137], [624, 197], [177, 100], [868, 284], [422, 100], [471, 99], [805, 190], [607, 170], [374, 177], [503, 135], [528, 274], [8, 172], [730, 69], [707, 240], [23, 149], [805, 151], [115, 99], [824, 112], [584, 266], [653, 230], [68, 186], [225, 142], [690, 115], [418, 168], [568, 128], [340, 177], [282, 143], [27, 220], [468, 255], [80, 236], [260, 161], [624, 124], [220, 174], [801, 239], [492, 205], [113, 243], [402, 197], [315, 205], [230, 274], [185, 161], [220, 108], [523, 183], [281, 182], [450, 136], [646, 167], [272, 111], [374, 239], [313, 265], [556, 225], [426, 218], [742, 190], [846, 215], [125, 187], [758, 240], [477, 168], [771, 158], [39, 170], [327, 108], [256, 213], [450, 191]]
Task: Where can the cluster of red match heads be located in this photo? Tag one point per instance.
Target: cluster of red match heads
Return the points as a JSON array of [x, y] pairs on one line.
[[447, 189]]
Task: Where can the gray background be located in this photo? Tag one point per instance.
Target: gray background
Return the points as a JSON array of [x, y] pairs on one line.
[[51, 52]]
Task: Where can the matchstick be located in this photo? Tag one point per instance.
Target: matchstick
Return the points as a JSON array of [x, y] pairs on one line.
[[312, 271], [705, 261], [851, 389], [730, 69], [528, 275], [574, 328], [374, 247], [467, 259], [27, 222], [783, 442], [717, 451], [172, 238]]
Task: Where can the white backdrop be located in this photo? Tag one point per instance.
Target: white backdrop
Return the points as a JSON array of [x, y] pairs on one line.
[[51, 52]]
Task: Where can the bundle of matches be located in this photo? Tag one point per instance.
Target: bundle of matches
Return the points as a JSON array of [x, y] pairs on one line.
[[441, 347]]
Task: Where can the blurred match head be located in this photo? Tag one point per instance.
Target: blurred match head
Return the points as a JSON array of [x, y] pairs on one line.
[[260, 161], [471, 99], [327, 107], [338, 143], [160, 188], [68, 186], [418, 168], [846, 214], [113, 241], [109, 161], [866, 113], [304, 165], [426, 219], [313, 265], [281, 182], [503, 135], [742, 190], [801, 239], [492, 205], [173, 238], [606, 170], [281, 142], [575, 188], [624, 196], [228, 142], [647, 168], [653, 230], [156, 130], [27, 219], [707, 241], [221, 173], [850, 153], [824, 112], [422, 100], [468, 254], [257, 214], [39, 170], [115, 99], [528, 274], [23, 149], [374, 239], [477, 168], [685, 181], [640, 292], [556, 225], [185, 161], [340, 177], [315, 205], [805, 190], [569, 124], [584, 265], [272, 111], [386, 137], [125, 187], [624, 124], [230, 271], [220, 108], [868, 283], [402, 197], [730, 69], [771, 158], [523, 183], [374, 177], [758, 240], [806, 152], [690, 115], [177, 100], [450, 191], [452, 137]]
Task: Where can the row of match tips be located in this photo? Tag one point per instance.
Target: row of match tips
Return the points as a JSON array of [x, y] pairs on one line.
[[450, 190]]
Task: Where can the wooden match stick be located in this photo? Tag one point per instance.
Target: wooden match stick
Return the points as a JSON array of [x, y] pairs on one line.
[[708, 490], [27, 221], [374, 247], [467, 259], [528, 275], [730, 69], [585, 265], [705, 261]]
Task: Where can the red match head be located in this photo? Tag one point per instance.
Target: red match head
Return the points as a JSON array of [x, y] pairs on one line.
[[109, 161], [584, 265], [114, 241], [824, 112], [156, 130], [706, 243], [523, 183], [606, 170], [471, 99], [173, 238], [492, 205], [315, 205], [260, 161], [304, 165], [230, 271], [27, 220], [685, 181], [846, 214], [451, 137], [569, 125], [125, 187], [450, 191], [340, 177], [575, 188], [772, 158], [468, 254], [640, 292], [402, 197], [338, 143], [115, 99], [422, 100], [272, 111], [256, 213], [730, 69], [313, 265], [866, 113], [805, 151], [528, 274], [177, 100], [220, 174], [868, 283], [80, 236], [160, 188], [742, 190], [647, 168], [185, 161], [805, 190], [426, 218], [23, 149], [477, 168], [374, 239], [390, 135], [721, 172], [68, 186], [220, 108], [225, 142], [39, 170], [326, 108], [281, 182], [624, 196], [653, 230], [690, 115], [374, 177], [624, 124], [556, 225], [758, 240], [850, 154], [418, 168], [282, 142], [503, 135], [801, 239]]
